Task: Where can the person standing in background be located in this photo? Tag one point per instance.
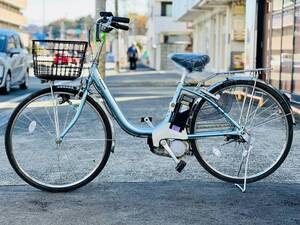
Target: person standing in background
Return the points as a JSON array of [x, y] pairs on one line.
[[132, 54]]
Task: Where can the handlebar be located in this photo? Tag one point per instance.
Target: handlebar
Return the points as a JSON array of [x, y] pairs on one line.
[[120, 19], [119, 26], [107, 22], [115, 20], [106, 14]]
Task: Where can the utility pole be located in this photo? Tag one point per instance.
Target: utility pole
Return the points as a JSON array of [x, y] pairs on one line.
[[117, 38], [101, 6], [62, 30], [44, 18]]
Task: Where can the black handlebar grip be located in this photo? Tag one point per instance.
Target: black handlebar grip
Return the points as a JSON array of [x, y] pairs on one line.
[[120, 26], [106, 14], [120, 19]]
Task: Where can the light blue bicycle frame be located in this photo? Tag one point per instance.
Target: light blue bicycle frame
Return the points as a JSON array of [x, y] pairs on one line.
[[96, 80]]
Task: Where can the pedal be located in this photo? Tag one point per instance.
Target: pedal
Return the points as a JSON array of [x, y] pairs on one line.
[[180, 166], [148, 121]]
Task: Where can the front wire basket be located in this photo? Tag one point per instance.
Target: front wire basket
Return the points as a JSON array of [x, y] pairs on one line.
[[57, 59]]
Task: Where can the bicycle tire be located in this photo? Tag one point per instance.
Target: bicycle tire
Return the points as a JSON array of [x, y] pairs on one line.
[[30, 180]]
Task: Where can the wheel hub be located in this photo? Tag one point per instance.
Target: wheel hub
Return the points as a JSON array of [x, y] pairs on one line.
[[58, 141]]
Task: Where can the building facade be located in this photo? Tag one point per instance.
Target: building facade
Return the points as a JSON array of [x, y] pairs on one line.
[[165, 35], [277, 43], [218, 30], [12, 17]]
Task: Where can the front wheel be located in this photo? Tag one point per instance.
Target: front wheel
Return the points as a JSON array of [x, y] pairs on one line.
[[36, 155], [266, 119]]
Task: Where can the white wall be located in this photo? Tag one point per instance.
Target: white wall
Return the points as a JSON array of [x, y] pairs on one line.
[[158, 26], [181, 7], [212, 30], [211, 37]]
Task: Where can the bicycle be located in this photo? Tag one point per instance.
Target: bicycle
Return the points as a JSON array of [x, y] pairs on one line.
[[51, 146]]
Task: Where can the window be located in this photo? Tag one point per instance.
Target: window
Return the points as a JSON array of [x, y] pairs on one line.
[[2, 43], [177, 39], [288, 3], [276, 42], [19, 43], [287, 49], [166, 9], [296, 76], [11, 44]]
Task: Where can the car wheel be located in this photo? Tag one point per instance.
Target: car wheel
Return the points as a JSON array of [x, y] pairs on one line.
[[26, 81], [7, 88]]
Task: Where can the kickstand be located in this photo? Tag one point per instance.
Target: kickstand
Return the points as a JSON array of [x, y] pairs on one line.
[[246, 154]]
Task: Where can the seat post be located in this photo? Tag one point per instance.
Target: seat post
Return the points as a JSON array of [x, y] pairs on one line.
[[184, 74]]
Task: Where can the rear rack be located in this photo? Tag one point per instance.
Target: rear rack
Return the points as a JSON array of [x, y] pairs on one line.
[[254, 73]]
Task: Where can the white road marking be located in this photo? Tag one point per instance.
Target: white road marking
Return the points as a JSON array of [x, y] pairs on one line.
[[5, 115], [10, 105]]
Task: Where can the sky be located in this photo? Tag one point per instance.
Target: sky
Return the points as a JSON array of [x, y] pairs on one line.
[[41, 12]]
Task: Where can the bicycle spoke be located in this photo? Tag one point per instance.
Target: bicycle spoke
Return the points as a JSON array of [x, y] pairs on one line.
[[48, 113], [265, 102], [78, 149], [74, 173], [241, 165], [55, 112], [86, 139], [67, 119], [241, 115], [260, 113], [59, 164], [41, 125], [236, 99], [253, 116], [265, 122], [21, 128], [251, 102]]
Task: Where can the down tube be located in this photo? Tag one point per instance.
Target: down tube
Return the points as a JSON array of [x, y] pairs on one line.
[[114, 108]]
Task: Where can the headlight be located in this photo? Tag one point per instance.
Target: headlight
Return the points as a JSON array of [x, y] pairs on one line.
[[1, 71]]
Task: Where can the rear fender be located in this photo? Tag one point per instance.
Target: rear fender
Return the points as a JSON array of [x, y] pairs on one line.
[[282, 94]]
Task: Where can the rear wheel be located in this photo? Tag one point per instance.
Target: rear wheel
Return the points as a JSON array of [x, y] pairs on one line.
[[267, 122], [43, 162]]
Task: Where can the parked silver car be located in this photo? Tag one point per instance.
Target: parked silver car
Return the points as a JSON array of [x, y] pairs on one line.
[[14, 67]]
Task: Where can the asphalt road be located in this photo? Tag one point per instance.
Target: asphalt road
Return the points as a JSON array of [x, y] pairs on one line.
[[153, 203], [137, 187]]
